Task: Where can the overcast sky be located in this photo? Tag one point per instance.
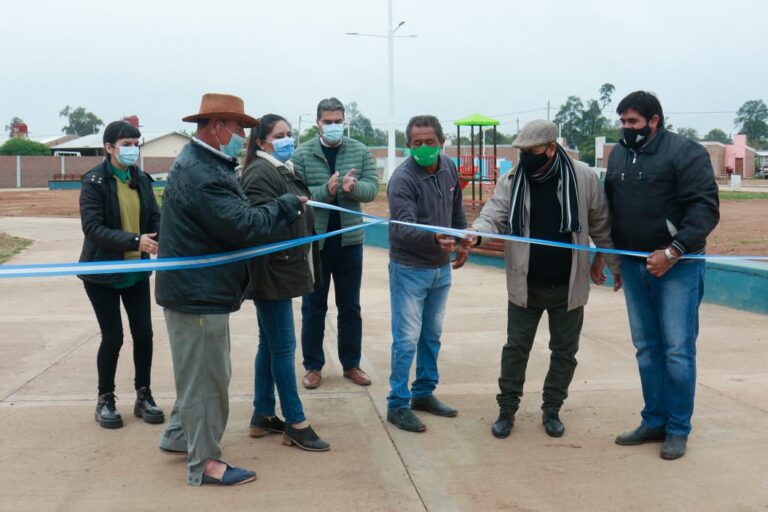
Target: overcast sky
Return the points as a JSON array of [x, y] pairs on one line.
[[156, 58]]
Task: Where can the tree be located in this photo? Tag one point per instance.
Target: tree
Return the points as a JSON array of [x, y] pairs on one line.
[[24, 147], [15, 121], [501, 138], [688, 133], [718, 135], [580, 123], [606, 91], [80, 121], [752, 119], [309, 133]]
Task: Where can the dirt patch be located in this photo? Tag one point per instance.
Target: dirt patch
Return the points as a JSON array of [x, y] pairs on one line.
[[743, 227], [11, 245], [40, 203]]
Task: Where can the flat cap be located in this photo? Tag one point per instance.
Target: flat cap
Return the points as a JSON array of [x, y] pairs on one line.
[[536, 133]]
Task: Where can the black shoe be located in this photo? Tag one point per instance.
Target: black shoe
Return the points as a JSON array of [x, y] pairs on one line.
[[304, 438], [106, 412], [146, 407], [673, 447], [261, 424], [433, 405], [503, 426], [403, 418], [640, 435], [552, 423]]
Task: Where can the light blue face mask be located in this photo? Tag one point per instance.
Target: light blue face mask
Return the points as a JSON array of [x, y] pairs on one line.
[[333, 132], [283, 148], [128, 155], [234, 146]]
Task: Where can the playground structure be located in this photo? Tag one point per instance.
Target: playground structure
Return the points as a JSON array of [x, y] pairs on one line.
[[477, 169]]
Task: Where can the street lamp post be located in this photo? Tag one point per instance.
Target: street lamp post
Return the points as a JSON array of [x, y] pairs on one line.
[[298, 137], [391, 82]]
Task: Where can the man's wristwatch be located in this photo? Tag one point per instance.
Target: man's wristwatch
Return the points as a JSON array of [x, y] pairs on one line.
[[671, 256]]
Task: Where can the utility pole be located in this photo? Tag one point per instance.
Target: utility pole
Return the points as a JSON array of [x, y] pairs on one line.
[[547, 110], [391, 79]]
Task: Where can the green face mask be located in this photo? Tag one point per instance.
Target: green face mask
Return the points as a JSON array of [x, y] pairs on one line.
[[425, 156]]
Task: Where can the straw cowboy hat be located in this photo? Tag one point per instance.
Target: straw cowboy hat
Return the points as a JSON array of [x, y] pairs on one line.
[[222, 106]]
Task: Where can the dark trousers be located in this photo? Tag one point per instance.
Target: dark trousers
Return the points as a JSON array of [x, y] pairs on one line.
[[106, 304], [564, 330], [345, 266]]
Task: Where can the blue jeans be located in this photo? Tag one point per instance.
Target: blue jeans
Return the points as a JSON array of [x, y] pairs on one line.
[[418, 297], [345, 266], [275, 361], [664, 321]]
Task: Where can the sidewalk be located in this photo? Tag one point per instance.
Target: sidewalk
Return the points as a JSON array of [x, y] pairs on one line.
[[53, 456]]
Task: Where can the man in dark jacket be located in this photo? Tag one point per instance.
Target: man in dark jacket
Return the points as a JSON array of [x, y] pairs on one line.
[[664, 200], [206, 212], [424, 189]]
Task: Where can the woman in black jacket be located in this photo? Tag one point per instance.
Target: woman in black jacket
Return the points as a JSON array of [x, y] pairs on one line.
[[275, 279], [120, 220]]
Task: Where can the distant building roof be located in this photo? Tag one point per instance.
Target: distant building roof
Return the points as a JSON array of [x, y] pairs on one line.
[[96, 141]]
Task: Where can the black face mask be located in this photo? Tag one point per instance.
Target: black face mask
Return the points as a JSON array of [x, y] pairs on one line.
[[635, 138], [531, 163]]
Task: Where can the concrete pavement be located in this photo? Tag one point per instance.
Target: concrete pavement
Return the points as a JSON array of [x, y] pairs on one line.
[[53, 456]]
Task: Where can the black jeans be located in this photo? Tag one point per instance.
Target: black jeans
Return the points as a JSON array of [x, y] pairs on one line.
[[345, 266], [564, 331], [106, 304]]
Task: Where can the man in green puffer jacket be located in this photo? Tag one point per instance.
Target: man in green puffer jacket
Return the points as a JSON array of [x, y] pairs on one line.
[[339, 171]]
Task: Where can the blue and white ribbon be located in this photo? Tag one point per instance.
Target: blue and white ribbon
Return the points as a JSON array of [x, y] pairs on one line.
[[191, 262], [537, 241], [160, 264]]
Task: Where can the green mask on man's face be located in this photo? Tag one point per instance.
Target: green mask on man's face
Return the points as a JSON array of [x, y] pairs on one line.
[[425, 156]]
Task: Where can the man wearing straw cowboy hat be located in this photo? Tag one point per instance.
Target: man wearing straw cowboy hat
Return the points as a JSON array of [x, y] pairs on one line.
[[205, 212], [549, 197]]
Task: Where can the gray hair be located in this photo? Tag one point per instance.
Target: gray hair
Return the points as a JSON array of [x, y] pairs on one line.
[[425, 122], [329, 105]]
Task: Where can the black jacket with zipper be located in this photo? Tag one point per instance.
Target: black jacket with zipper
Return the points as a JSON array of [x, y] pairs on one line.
[[205, 212], [664, 194], [105, 239], [292, 272]]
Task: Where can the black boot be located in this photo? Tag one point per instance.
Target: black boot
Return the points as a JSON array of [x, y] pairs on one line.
[[503, 425], [552, 423], [304, 438], [106, 412], [146, 407]]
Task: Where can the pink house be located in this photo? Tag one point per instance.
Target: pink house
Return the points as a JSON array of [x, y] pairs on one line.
[[736, 156]]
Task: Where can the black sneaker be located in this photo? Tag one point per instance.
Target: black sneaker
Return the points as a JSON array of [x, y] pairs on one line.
[[146, 407], [106, 412], [261, 424], [304, 438], [403, 418], [433, 405]]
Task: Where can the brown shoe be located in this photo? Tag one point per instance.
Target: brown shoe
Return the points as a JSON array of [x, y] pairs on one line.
[[357, 376], [312, 379]]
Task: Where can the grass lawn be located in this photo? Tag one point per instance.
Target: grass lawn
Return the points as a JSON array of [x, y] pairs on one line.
[[11, 245], [741, 196]]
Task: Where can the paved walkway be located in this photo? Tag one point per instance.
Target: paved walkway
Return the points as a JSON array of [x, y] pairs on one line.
[[53, 456]]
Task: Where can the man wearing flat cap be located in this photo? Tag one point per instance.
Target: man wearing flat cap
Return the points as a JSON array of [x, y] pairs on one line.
[[549, 197], [206, 212]]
